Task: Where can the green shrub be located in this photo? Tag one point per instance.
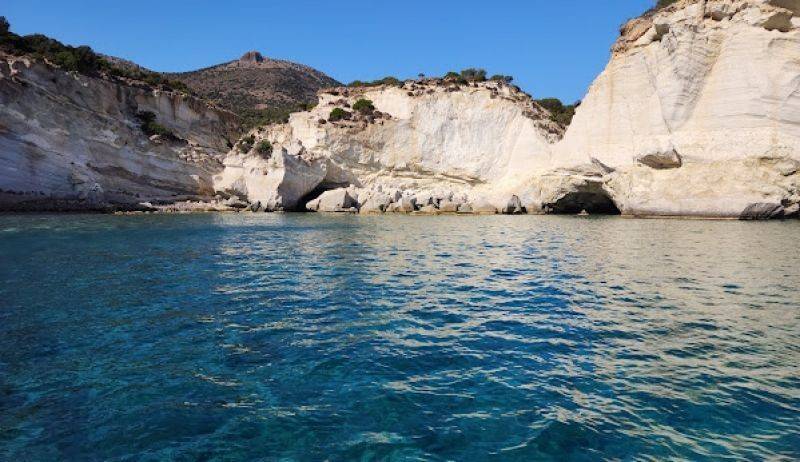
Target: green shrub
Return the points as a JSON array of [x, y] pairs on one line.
[[559, 112], [363, 106], [664, 3], [264, 148], [338, 114], [502, 78], [252, 118], [384, 81], [452, 75], [246, 143], [474, 75], [150, 127]]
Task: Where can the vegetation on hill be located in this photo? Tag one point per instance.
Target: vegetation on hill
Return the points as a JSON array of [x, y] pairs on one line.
[[502, 78], [363, 106], [559, 112], [264, 148], [80, 59], [374, 83], [664, 3], [338, 114], [150, 127], [474, 75], [246, 144], [260, 90]]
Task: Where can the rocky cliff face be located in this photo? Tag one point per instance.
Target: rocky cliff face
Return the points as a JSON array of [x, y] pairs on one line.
[[431, 137], [69, 141], [697, 114]]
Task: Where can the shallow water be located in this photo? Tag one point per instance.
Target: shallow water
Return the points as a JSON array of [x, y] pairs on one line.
[[307, 337]]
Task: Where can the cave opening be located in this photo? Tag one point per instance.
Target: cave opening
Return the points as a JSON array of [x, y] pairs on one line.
[[592, 202]]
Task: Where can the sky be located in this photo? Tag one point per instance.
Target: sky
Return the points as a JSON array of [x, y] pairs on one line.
[[551, 47]]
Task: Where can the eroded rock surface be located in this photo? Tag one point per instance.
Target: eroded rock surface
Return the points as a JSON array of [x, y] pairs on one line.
[[697, 110], [697, 114], [72, 142]]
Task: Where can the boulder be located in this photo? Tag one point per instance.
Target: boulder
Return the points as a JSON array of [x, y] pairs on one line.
[[255, 207], [482, 206], [447, 206], [661, 160], [464, 208], [335, 200], [404, 205], [513, 206], [313, 205], [423, 199], [428, 210], [762, 211], [235, 203], [377, 203]]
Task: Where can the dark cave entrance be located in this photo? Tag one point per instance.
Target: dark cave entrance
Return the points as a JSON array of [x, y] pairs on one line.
[[593, 202]]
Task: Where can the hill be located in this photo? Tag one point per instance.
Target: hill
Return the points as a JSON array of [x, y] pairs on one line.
[[259, 89]]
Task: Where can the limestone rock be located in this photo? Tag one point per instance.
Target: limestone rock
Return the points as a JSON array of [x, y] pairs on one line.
[[696, 114], [661, 160], [762, 211], [404, 205], [513, 206], [337, 200], [448, 207], [428, 210], [377, 203], [483, 207], [76, 142]]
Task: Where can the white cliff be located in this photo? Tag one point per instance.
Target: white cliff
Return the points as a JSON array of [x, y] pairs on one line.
[[435, 137], [697, 114], [698, 111], [69, 141]]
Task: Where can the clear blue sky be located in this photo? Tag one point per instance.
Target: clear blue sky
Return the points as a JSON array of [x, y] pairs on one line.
[[551, 47]]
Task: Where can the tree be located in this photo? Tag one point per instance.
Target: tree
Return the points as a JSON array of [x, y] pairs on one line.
[[246, 143], [5, 27], [384, 81], [338, 114], [150, 127], [474, 75], [559, 113], [363, 106], [264, 148], [502, 78]]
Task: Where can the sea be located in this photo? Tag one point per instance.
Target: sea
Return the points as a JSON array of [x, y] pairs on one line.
[[306, 337]]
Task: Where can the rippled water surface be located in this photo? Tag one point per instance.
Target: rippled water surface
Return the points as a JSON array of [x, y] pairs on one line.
[[305, 337]]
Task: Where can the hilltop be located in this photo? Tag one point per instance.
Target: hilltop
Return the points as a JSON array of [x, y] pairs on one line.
[[258, 88]]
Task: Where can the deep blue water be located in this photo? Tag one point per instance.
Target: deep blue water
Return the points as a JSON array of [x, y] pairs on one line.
[[306, 337]]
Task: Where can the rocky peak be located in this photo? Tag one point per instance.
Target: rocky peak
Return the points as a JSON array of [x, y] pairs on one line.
[[252, 57], [772, 15]]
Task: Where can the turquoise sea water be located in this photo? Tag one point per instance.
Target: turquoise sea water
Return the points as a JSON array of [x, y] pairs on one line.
[[307, 337]]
